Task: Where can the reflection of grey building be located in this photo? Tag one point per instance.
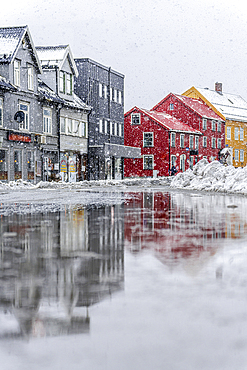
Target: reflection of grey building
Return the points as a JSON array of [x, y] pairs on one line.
[[50, 264], [103, 89]]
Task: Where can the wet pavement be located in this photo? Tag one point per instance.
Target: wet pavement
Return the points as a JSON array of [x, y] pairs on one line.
[[134, 280]]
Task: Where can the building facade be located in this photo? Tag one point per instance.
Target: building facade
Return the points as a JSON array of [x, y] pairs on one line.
[[103, 89], [233, 109], [164, 140]]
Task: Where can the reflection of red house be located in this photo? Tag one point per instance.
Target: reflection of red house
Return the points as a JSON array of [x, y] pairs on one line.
[[198, 115], [153, 221], [164, 141]]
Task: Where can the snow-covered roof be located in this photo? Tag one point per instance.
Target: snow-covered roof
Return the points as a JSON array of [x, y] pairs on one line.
[[199, 107], [169, 122], [47, 93], [54, 56], [233, 107], [10, 41], [5, 85], [76, 103]]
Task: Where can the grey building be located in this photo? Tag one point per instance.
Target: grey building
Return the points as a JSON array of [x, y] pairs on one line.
[[103, 89], [59, 72], [24, 135]]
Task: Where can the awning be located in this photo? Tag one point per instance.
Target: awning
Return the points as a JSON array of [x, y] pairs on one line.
[[122, 151]]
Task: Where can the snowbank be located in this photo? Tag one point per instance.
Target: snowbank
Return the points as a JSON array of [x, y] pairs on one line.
[[213, 176]]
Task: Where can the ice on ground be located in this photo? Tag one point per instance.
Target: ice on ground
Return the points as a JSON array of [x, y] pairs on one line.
[[212, 176]]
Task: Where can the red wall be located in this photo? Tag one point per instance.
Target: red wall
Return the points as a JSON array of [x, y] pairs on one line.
[[133, 136], [193, 119]]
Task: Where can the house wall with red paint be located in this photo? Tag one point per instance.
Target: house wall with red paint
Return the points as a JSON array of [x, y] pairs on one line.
[[175, 107]]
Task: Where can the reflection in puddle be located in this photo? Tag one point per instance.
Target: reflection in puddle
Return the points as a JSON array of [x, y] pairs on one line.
[[53, 263]]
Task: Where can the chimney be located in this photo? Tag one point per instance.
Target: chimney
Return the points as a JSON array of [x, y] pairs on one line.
[[218, 87]]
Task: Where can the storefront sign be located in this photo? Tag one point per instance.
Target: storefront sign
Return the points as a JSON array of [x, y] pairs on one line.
[[63, 164], [72, 164], [19, 137]]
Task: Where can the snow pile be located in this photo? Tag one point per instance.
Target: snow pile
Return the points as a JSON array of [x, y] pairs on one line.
[[212, 176]]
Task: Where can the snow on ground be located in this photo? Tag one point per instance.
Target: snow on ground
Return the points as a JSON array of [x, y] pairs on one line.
[[212, 176], [205, 176]]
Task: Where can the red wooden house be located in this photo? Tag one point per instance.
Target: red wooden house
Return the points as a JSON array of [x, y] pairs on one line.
[[197, 114], [164, 141]]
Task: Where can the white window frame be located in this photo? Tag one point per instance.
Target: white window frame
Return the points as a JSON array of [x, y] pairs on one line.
[[47, 120], [228, 132], [115, 95], [171, 106], [236, 133], [135, 118], [236, 155], [173, 139], [30, 77], [196, 142], [145, 166], [213, 125], [173, 160], [241, 157], [241, 134], [181, 140], [63, 125], [69, 83], [17, 72], [106, 126], [22, 108], [101, 125], [204, 123], [111, 128], [120, 129], [69, 126], [213, 143], [219, 126], [146, 137], [62, 82], [204, 141], [219, 143], [111, 93], [105, 91], [120, 99], [182, 162], [115, 128], [100, 90], [191, 142], [1, 112]]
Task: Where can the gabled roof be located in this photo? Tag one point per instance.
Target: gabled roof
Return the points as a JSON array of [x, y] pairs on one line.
[[55, 56], [10, 40], [5, 85], [230, 106], [195, 105], [169, 122]]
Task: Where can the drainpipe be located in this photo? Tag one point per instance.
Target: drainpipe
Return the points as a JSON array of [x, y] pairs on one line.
[[169, 142]]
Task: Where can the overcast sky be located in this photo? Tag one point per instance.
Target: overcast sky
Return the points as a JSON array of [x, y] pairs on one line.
[[160, 46]]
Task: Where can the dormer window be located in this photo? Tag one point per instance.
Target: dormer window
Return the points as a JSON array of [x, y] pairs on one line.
[[69, 84], [62, 82], [171, 106], [17, 67], [30, 77]]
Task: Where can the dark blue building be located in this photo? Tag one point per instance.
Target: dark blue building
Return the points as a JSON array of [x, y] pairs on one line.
[[103, 89]]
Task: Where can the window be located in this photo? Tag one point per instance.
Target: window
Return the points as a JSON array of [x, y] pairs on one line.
[[82, 129], [135, 118], [1, 111], [69, 83], [17, 67], [76, 127], [105, 91], [236, 155], [241, 133], [69, 126], [191, 144], [148, 162], [106, 126], [228, 132], [196, 142], [171, 106], [30, 77], [241, 155], [100, 125], [24, 107], [120, 129], [62, 82], [47, 120], [182, 140], [111, 128], [100, 90], [213, 143], [62, 125], [173, 139], [219, 143], [147, 139], [204, 141], [173, 160], [204, 124], [120, 98], [236, 133], [182, 162], [115, 129], [115, 95], [213, 126], [111, 93], [219, 126]]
